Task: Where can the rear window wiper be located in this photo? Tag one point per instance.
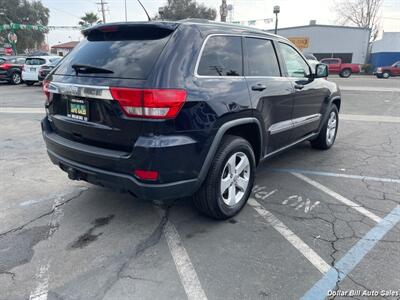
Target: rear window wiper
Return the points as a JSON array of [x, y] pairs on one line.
[[89, 69]]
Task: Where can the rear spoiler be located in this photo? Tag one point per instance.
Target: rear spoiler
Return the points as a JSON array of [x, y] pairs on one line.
[[113, 27]]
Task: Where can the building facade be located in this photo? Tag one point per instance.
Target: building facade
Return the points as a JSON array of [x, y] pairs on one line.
[[64, 48], [386, 51], [324, 41]]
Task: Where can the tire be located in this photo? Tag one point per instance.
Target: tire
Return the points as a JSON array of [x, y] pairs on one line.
[[345, 73], [221, 205], [16, 78], [30, 83], [386, 74], [326, 137]]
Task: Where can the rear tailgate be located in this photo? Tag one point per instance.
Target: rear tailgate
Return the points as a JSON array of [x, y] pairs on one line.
[[81, 107]]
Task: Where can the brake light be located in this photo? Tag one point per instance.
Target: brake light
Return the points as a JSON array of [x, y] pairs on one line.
[[146, 175], [5, 66], [111, 28], [45, 88], [150, 103], [23, 68]]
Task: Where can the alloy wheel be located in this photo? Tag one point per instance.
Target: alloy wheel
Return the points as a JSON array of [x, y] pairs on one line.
[[331, 128], [235, 178]]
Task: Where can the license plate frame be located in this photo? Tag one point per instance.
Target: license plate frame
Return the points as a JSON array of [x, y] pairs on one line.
[[78, 109]]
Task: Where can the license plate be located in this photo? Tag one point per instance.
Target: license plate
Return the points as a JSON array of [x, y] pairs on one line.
[[78, 109], [33, 69]]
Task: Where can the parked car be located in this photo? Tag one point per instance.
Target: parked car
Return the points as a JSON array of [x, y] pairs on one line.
[[45, 69], [30, 70], [165, 110], [10, 68], [310, 57], [388, 71], [336, 66]]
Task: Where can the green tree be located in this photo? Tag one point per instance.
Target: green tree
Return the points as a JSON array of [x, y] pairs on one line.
[[182, 9], [24, 12], [89, 19]]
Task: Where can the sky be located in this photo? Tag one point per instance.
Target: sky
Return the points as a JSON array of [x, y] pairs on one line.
[[293, 13]]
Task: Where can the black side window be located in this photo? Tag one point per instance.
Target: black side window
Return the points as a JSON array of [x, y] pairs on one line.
[[261, 58], [222, 56]]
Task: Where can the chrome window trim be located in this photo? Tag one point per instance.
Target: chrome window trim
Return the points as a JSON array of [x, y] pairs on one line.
[[80, 90], [293, 123], [196, 74]]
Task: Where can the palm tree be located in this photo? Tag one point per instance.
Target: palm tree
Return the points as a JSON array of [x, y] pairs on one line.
[[89, 19]]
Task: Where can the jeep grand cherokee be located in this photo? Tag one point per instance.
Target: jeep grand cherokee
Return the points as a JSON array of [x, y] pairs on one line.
[[173, 109]]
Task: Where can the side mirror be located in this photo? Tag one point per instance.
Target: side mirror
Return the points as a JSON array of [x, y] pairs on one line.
[[321, 71]]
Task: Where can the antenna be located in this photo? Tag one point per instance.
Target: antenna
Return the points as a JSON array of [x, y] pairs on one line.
[[148, 17]]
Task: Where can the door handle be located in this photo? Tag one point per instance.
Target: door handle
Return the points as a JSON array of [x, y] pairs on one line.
[[299, 86], [258, 87]]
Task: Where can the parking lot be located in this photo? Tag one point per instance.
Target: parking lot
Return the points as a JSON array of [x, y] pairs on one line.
[[319, 223]]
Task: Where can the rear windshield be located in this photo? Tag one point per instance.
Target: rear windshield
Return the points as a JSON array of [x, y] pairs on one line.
[[126, 53], [35, 61]]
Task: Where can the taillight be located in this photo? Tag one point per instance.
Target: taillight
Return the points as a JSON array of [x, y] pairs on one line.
[[146, 175], [149, 103], [23, 68], [45, 88], [5, 66]]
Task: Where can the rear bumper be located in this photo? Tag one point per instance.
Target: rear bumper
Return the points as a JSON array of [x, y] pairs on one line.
[[29, 76], [123, 182], [102, 167]]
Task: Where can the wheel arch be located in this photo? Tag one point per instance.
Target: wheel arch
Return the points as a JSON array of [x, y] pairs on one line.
[[235, 127], [336, 101]]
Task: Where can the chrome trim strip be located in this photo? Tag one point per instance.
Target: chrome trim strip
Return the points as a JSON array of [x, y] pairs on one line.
[[290, 124], [306, 120], [79, 90], [307, 137], [280, 126]]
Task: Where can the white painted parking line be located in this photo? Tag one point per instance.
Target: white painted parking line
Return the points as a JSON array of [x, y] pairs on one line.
[[21, 110], [42, 275], [370, 118], [330, 174], [291, 237], [342, 199], [184, 266], [369, 89]]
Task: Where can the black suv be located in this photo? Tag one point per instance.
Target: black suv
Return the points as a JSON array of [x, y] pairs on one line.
[[173, 109], [11, 67]]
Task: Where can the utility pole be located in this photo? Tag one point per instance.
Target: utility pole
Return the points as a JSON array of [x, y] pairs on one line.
[[102, 9], [223, 10], [126, 13], [277, 10]]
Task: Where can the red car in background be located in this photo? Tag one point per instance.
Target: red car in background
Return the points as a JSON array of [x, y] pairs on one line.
[[335, 66], [387, 71], [11, 68]]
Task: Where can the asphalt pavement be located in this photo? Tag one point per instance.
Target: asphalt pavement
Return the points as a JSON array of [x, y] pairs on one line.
[[319, 223]]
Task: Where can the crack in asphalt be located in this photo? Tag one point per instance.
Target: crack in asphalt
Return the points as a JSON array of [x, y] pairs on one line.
[[82, 190], [9, 273], [331, 221], [145, 244]]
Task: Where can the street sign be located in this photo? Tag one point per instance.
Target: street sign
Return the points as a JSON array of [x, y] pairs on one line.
[[12, 37], [300, 42]]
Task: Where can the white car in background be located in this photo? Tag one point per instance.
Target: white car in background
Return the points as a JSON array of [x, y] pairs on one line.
[[30, 70]]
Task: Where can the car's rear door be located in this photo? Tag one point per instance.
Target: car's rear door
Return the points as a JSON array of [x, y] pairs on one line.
[[271, 94], [310, 93]]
